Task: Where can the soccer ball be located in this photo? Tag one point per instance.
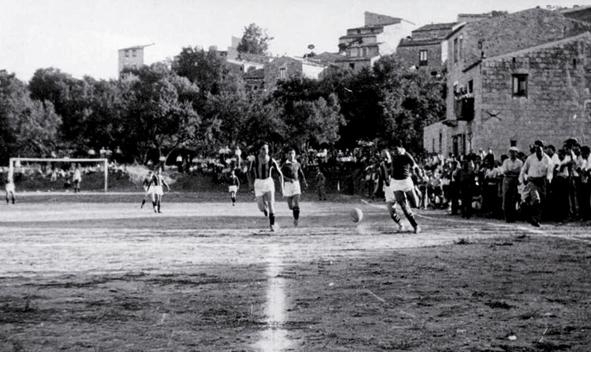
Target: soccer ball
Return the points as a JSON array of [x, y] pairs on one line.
[[356, 215]]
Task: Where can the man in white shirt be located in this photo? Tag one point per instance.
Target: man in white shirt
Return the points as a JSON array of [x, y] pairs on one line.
[[511, 169], [535, 174]]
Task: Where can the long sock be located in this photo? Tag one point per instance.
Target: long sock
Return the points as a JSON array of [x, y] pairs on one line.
[[143, 202], [410, 217], [158, 206], [395, 217], [271, 219], [296, 213], [233, 200]]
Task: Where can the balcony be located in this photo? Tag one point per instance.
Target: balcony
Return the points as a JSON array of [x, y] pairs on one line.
[[464, 107]]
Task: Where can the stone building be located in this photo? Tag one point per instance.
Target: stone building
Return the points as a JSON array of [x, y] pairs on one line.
[[514, 78], [425, 49], [379, 36], [287, 67], [131, 57]]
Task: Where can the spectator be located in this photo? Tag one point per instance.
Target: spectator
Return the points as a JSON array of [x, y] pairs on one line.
[[511, 170]]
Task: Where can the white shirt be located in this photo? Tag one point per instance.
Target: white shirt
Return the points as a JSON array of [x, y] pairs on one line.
[[511, 168], [537, 168]]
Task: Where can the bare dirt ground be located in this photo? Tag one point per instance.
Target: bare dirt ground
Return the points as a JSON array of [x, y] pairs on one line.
[[96, 273]]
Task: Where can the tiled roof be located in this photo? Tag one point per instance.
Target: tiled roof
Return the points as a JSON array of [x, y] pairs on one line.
[[435, 27]]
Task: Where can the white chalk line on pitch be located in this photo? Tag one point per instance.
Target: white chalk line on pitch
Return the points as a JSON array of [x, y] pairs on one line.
[[274, 337], [496, 225]]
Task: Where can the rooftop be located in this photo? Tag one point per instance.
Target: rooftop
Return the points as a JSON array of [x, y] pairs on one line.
[[582, 36], [435, 27]]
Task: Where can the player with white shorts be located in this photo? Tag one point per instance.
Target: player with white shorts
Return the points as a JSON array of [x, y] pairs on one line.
[[385, 174], [10, 190], [234, 186], [292, 173], [402, 186], [260, 170], [155, 186]]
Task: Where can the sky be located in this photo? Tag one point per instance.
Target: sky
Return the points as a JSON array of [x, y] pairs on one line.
[[81, 37]]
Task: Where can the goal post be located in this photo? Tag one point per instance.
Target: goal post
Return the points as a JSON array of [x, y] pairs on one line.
[[13, 161]]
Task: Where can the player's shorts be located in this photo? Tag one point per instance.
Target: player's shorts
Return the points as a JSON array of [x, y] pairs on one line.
[[157, 190], [10, 188], [405, 185], [389, 194], [292, 188], [262, 186], [233, 189]]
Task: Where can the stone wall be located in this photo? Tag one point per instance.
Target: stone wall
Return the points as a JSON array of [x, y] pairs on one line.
[[436, 139], [408, 55], [558, 100]]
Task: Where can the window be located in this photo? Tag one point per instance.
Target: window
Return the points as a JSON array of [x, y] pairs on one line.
[[282, 73], [461, 48], [520, 85], [364, 52], [126, 53], [471, 86], [354, 52], [455, 50], [423, 58], [134, 53]]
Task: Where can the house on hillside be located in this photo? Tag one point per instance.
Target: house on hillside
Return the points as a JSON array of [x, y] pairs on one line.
[[515, 78], [426, 48], [379, 36]]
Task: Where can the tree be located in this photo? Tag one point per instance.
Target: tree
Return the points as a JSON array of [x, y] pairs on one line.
[[254, 40], [409, 101], [67, 94], [204, 69], [27, 127], [160, 113], [316, 122]]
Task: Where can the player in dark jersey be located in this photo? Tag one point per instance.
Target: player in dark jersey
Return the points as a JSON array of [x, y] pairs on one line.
[[260, 178], [403, 164], [292, 174], [147, 190], [157, 182], [234, 186], [385, 175]]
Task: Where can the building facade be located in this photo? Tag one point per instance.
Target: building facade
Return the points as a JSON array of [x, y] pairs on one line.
[[515, 78], [131, 57], [379, 36], [425, 49]]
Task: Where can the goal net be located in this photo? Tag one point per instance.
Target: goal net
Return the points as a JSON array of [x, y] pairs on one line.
[[56, 170]]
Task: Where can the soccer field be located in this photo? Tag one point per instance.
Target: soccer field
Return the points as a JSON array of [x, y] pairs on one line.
[[96, 272]]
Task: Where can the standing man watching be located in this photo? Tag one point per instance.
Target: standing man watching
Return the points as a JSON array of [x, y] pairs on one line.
[[511, 169], [535, 174]]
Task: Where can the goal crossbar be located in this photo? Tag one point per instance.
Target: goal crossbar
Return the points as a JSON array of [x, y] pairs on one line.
[[105, 162]]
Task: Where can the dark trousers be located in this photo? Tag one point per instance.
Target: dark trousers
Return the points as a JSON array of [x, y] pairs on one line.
[[510, 196], [560, 199], [454, 197], [586, 200], [536, 197], [489, 199], [467, 194]]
